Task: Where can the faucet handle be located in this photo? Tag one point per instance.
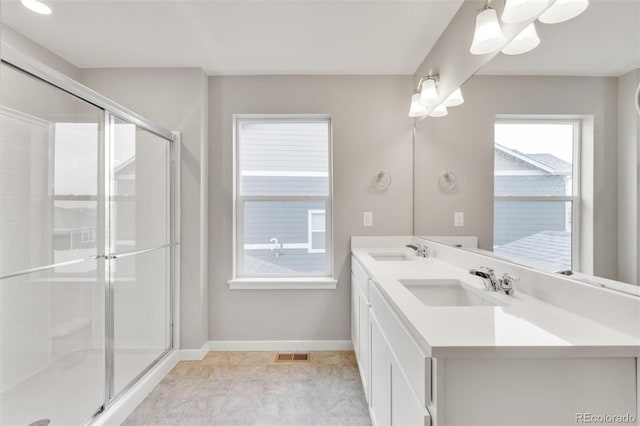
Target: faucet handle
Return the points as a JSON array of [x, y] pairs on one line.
[[510, 278], [506, 283]]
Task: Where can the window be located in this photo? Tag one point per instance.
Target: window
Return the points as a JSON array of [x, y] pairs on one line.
[[536, 192], [283, 197], [317, 237], [88, 236]]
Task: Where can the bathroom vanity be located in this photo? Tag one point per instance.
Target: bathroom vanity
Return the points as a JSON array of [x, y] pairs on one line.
[[435, 347]]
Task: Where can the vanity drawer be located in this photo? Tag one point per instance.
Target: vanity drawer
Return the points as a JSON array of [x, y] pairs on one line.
[[416, 366], [359, 277]]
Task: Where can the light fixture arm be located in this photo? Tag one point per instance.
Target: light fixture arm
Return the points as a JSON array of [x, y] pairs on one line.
[[434, 77], [487, 5]]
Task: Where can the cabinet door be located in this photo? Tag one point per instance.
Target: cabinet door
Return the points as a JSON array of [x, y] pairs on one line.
[[355, 316], [380, 382], [363, 341], [406, 408]]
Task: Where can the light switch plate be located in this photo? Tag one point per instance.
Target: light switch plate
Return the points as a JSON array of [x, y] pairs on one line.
[[367, 218], [458, 219]]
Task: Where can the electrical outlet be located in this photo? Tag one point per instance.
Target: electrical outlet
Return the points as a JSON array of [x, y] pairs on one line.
[[458, 219], [367, 218]]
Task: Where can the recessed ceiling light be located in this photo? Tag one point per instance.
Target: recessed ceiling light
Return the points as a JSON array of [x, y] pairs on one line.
[[36, 6]]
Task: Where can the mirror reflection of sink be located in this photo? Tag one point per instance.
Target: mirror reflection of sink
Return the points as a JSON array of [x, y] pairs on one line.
[[447, 292], [390, 257]]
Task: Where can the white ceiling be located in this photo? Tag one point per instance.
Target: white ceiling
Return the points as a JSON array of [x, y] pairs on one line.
[[603, 41], [240, 37]]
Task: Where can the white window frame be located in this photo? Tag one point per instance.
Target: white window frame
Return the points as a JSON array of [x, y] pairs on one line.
[[243, 280], [311, 231], [575, 198], [88, 236]]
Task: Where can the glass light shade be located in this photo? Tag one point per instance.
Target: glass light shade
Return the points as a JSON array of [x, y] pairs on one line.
[[429, 93], [524, 42], [516, 11], [488, 35], [454, 99], [563, 10], [416, 109], [36, 6], [439, 111]]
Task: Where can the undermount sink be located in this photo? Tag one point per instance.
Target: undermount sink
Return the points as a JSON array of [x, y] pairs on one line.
[[447, 292], [390, 257]]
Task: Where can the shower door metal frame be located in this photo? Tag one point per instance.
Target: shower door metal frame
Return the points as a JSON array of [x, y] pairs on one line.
[[17, 60]]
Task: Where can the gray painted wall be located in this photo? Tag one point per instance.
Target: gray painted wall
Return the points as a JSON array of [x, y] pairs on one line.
[[628, 179], [371, 131], [174, 98], [463, 142]]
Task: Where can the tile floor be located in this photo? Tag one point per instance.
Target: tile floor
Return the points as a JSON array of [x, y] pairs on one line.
[[251, 388]]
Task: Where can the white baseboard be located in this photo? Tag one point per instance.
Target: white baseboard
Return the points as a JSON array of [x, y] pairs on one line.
[[124, 406], [194, 354], [280, 345]]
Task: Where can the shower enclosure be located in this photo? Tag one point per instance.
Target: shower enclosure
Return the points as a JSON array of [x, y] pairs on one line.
[[87, 248]]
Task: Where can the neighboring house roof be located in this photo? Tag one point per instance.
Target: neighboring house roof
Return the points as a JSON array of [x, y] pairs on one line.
[[547, 163], [555, 163], [548, 250], [253, 264], [126, 169]]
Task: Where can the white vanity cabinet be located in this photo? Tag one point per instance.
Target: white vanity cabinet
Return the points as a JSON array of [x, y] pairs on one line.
[[360, 334], [520, 362], [396, 375]]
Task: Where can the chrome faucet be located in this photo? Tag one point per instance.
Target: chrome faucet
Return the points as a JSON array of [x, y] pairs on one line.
[[488, 277], [503, 285], [420, 250]]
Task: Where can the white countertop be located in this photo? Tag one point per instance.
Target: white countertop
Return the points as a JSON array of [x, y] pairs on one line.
[[523, 327]]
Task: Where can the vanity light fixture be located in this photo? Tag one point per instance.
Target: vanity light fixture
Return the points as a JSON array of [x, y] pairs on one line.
[[428, 90], [563, 10], [36, 6], [417, 109], [439, 111], [516, 11], [488, 36], [524, 42], [454, 99]]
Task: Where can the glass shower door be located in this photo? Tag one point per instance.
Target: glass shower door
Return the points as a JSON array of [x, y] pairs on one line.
[[139, 250], [52, 359], [86, 251]]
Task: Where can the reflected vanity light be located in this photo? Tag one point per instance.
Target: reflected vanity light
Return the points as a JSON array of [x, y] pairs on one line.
[[516, 11], [428, 91], [416, 109], [425, 101], [439, 111], [36, 6], [488, 36], [563, 10], [454, 99], [524, 42]]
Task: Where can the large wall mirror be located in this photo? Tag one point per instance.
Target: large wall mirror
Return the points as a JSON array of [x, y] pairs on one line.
[[543, 157]]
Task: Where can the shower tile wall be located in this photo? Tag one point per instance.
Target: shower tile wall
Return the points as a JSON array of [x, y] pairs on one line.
[[23, 176]]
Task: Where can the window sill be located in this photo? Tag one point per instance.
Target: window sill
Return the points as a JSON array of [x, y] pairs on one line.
[[304, 283]]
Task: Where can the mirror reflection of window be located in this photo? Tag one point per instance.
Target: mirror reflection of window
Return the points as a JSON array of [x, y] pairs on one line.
[[536, 192]]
